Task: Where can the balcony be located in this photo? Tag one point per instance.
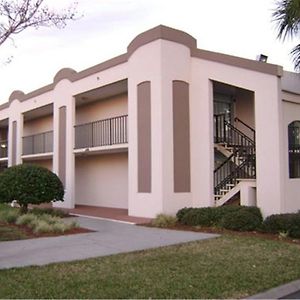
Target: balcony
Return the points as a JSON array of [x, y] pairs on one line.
[[3, 149], [105, 132], [38, 143]]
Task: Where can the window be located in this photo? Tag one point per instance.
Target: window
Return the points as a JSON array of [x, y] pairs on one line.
[[294, 149]]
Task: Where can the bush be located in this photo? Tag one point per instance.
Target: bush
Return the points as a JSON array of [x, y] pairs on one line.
[[59, 227], [231, 217], [50, 219], [30, 184], [182, 212], [204, 216], [288, 223], [49, 211], [163, 220], [42, 226], [242, 220], [45, 223], [9, 216], [26, 219]]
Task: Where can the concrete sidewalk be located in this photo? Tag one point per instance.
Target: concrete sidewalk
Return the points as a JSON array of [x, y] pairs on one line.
[[110, 238]]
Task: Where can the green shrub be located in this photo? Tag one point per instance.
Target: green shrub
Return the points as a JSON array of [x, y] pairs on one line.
[[26, 219], [59, 227], [42, 226], [163, 220], [288, 223], [222, 216], [49, 219], [49, 211], [241, 220], [182, 212], [9, 216], [45, 223], [30, 184], [204, 216]]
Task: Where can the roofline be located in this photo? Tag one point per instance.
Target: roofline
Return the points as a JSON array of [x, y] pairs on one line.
[[159, 32], [239, 62], [164, 33]]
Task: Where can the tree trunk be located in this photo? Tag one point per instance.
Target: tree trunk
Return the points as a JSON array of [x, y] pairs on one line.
[[23, 208]]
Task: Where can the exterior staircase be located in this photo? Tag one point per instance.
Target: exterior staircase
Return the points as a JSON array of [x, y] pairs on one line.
[[240, 164]]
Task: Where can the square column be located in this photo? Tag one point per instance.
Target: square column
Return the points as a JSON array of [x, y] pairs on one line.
[[15, 135], [63, 141]]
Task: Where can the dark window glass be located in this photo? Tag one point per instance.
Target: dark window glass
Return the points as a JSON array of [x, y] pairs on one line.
[[294, 149]]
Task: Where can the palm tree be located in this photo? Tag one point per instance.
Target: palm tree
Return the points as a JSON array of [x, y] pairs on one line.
[[287, 16]]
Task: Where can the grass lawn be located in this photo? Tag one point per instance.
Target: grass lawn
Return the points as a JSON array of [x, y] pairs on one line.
[[226, 267], [10, 233]]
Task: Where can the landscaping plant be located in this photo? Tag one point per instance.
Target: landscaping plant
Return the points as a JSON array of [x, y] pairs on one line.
[[240, 218], [30, 184], [163, 220], [288, 224]]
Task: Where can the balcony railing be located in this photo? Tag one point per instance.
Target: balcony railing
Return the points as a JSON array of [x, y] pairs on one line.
[[102, 133], [3, 149], [38, 143]]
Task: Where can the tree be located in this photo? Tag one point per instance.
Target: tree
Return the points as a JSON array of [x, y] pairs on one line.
[[18, 15], [30, 184], [287, 16]]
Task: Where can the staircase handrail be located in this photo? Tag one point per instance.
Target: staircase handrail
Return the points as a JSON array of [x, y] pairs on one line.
[[239, 132], [233, 175], [221, 133], [236, 119]]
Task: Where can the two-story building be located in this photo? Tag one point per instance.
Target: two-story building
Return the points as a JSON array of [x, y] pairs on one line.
[[163, 126]]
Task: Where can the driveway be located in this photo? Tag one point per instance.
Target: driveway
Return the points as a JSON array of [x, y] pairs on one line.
[[109, 238]]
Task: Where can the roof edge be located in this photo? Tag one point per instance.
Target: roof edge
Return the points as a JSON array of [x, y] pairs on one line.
[[240, 62], [158, 32], [161, 32]]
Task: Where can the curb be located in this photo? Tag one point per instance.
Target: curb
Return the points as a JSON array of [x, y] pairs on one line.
[[279, 292], [100, 218]]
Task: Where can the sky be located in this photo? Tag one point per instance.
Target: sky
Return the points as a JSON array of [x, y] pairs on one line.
[[106, 27]]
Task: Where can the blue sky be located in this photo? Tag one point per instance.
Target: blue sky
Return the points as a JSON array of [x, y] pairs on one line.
[[236, 27]]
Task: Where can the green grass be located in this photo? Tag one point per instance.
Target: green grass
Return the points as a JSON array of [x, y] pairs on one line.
[[8, 233], [225, 267]]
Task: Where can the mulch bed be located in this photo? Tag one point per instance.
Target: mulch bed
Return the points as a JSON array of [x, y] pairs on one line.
[[30, 234], [269, 236]]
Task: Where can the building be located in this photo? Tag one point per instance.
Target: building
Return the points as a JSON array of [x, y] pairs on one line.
[[161, 127]]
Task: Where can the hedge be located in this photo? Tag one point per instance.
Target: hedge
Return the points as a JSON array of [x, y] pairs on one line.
[[241, 218], [283, 223]]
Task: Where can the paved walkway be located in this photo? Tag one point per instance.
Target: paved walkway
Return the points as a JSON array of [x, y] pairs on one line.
[[289, 290], [107, 213], [110, 238]]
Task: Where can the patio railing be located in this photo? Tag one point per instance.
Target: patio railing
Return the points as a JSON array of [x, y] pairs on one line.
[[38, 143], [105, 132]]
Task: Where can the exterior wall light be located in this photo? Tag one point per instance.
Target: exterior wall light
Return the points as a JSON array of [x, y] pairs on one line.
[[262, 58]]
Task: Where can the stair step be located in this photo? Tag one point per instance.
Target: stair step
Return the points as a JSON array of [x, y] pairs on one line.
[[230, 184]]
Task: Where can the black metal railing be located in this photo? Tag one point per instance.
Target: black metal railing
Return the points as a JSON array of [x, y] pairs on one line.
[[230, 171], [105, 132], [38, 143], [241, 163], [248, 128], [226, 133], [3, 148]]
